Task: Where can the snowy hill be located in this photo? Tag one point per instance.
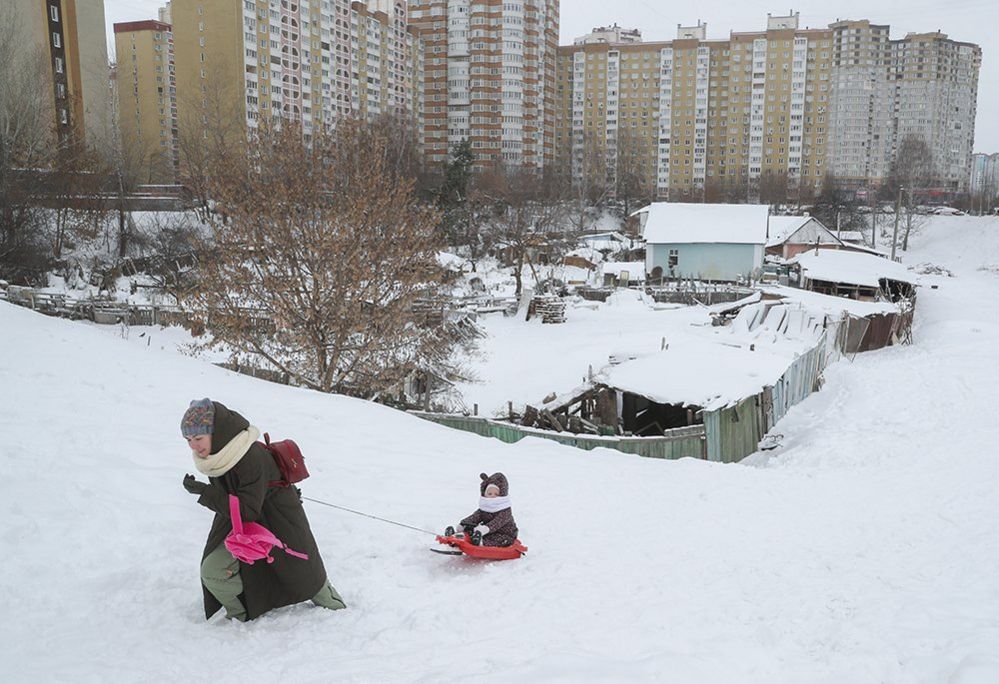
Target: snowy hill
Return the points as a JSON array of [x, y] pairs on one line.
[[864, 550]]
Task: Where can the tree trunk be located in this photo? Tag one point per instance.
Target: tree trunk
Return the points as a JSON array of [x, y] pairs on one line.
[[122, 232], [517, 272]]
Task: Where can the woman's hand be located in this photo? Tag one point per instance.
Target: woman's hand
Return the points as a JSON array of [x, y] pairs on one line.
[[193, 486]]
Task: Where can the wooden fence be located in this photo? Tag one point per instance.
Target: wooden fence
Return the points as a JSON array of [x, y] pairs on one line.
[[677, 443]]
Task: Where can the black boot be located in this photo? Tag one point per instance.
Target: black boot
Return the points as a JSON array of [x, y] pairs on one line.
[[477, 538]]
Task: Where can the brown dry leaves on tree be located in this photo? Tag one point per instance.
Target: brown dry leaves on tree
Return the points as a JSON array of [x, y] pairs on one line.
[[317, 257]]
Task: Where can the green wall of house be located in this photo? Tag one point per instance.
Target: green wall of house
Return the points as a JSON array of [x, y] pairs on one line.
[[717, 261]]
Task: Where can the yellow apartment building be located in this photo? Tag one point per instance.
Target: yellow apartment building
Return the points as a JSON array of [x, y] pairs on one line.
[[147, 102]]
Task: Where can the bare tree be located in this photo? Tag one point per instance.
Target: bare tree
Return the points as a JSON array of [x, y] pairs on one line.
[[527, 214], [28, 144], [773, 187], [912, 174], [74, 190], [581, 177], [212, 127], [635, 170], [320, 255]]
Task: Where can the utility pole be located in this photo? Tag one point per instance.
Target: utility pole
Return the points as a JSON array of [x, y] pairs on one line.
[[898, 211]]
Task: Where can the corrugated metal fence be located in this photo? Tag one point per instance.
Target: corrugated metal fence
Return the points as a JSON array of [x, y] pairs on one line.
[[734, 432], [678, 443]]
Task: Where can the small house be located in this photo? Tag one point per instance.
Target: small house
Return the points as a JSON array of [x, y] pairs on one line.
[[857, 275], [789, 236], [723, 242]]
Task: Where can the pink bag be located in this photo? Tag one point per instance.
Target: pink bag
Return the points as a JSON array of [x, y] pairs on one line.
[[252, 541]]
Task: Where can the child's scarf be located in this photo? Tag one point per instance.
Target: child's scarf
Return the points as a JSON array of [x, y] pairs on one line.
[[494, 504]]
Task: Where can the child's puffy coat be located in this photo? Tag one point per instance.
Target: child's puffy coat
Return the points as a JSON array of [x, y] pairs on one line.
[[502, 527]]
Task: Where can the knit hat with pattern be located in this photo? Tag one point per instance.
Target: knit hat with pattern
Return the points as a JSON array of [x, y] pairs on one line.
[[199, 419]]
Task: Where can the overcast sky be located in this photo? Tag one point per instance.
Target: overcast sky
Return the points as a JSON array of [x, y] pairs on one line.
[[974, 21]]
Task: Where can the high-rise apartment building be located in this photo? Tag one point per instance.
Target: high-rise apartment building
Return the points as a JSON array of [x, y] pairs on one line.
[[489, 77], [767, 113], [984, 187], [695, 118], [69, 36], [308, 61], [923, 86], [935, 83], [862, 106], [147, 104]]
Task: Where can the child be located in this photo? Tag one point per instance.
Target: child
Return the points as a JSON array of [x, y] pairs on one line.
[[492, 524]]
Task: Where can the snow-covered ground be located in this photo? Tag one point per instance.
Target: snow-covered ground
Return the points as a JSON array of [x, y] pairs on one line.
[[864, 550]]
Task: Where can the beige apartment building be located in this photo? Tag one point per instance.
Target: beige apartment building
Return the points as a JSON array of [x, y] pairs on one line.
[[311, 61], [762, 114], [489, 77], [147, 104], [698, 119], [68, 39], [924, 85]]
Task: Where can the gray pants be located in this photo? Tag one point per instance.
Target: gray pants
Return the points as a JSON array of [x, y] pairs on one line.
[[220, 574]]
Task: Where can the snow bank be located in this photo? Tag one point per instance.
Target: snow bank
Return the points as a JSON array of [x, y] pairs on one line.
[[861, 551]]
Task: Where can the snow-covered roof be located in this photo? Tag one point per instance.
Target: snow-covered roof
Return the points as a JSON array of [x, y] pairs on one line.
[[828, 304], [854, 268], [850, 235], [783, 228], [673, 222], [861, 247], [692, 372], [635, 269]]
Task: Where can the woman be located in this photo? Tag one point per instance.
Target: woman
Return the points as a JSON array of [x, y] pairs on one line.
[[225, 448]]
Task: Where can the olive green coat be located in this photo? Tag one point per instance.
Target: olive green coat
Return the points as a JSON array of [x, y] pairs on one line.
[[288, 579]]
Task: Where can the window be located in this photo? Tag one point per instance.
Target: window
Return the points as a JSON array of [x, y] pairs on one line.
[[58, 65], [54, 12], [673, 258], [56, 39]]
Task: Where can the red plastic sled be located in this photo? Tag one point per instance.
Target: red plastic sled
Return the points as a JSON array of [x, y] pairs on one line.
[[515, 550]]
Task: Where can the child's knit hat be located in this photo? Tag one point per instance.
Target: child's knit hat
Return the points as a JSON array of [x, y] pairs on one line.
[[199, 418], [498, 479]]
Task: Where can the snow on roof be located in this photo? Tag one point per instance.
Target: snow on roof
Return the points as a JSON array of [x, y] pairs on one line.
[[635, 269], [712, 367], [783, 227], [673, 222], [860, 247], [695, 372], [606, 235], [850, 235], [854, 268], [828, 304]]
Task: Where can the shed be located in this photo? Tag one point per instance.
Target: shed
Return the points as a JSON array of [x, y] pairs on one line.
[[854, 237], [792, 235], [622, 273], [722, 242], [853, 274]]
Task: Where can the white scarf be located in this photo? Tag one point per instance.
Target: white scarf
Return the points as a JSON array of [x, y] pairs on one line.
[[219, 464], [494, 504]]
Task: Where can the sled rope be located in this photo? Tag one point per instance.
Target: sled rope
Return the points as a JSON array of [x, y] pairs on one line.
[[368, 515]]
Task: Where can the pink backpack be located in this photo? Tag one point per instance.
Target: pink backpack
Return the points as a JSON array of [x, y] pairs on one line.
[[252, 541]]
